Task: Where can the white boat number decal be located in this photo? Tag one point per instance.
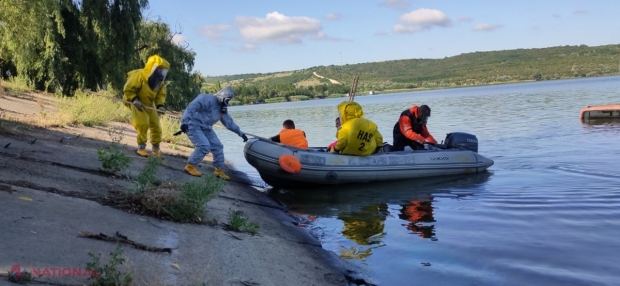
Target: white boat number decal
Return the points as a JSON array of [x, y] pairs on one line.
[[438, 158], [315, 160]]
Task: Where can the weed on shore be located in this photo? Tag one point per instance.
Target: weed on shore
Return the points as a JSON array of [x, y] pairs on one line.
[[238, 222], [113, 158], [108, 274], [147, 179], [183, 202]]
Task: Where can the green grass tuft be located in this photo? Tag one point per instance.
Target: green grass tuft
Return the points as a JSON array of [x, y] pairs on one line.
[[108, 274], [238, 222], [183, 202], [147, 178]]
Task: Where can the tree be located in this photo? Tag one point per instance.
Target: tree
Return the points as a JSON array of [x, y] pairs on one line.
[[70, 44]]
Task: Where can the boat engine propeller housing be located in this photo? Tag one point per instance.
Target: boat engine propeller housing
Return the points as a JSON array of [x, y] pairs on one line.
[[461, 140]]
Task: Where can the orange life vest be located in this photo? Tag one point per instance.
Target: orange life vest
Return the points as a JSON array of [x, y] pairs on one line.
[[293, 137]]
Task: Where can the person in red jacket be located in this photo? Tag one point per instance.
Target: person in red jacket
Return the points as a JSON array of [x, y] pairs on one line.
[[410, 130], [291, 136], [338, 124]]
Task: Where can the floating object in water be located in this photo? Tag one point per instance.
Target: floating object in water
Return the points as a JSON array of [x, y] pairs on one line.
[[608, 111]]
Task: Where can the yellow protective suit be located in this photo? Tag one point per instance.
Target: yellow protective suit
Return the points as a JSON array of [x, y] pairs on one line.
[[357, 135], [137, 85]]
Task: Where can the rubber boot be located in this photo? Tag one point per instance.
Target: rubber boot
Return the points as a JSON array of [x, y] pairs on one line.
[[142, 152], [220, 173], [156, 153], [190, 169]]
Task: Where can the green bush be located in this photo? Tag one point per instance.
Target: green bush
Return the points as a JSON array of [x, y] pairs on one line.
[[189, 205], [337, 95], [238, 222], [148, 176], [15, 86], [113, 158], [182, 202], [275, 99], [108, 275], [299, 97]]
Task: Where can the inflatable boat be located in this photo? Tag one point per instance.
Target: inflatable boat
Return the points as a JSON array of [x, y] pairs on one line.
[[458, 155]]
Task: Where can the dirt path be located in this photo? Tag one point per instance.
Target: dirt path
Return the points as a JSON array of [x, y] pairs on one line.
[[331, 80]]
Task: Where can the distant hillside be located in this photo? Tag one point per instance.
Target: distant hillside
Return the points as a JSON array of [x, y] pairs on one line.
[[469, 69]]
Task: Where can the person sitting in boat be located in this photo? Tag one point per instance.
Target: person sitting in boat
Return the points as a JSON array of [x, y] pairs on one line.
[[357, 135], [331, 146], [291, 136], [410, 130]]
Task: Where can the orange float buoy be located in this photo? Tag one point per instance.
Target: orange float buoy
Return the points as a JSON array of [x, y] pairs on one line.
[[289, 163]]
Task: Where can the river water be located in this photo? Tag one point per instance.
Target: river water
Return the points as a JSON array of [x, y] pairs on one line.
[[547, 212]]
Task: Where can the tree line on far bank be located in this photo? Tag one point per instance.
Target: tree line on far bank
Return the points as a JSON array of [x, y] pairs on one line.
[[479, 68]]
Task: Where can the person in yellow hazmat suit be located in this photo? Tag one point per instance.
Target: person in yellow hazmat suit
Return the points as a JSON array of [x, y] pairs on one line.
[[145, 88], [357, 135]]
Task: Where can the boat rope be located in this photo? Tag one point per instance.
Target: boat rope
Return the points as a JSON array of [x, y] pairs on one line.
[[174, 115]]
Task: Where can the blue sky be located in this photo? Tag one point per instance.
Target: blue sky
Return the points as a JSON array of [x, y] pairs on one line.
[[261, 36]]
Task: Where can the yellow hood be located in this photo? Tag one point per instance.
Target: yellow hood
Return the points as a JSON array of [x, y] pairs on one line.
[[349, 110], [153, 62]]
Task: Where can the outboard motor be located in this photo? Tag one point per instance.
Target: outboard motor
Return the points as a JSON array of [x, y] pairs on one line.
[[461, 140]]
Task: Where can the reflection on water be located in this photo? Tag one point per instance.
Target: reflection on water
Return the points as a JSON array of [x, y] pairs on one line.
[[364, 208], [604, 122], [418, 214], [365, 227]]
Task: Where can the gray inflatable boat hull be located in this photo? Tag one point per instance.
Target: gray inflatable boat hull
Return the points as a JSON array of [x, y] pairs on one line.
[[323, 168]]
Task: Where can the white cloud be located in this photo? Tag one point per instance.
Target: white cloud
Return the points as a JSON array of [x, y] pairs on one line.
[[464, 19], [406, 29], [276, 27], [486, 27], [581, 11], [333, 16], [380, 33], [395, 4], [214, 32], [420, 20], [246, 48], [426, 17], [178, 39]]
